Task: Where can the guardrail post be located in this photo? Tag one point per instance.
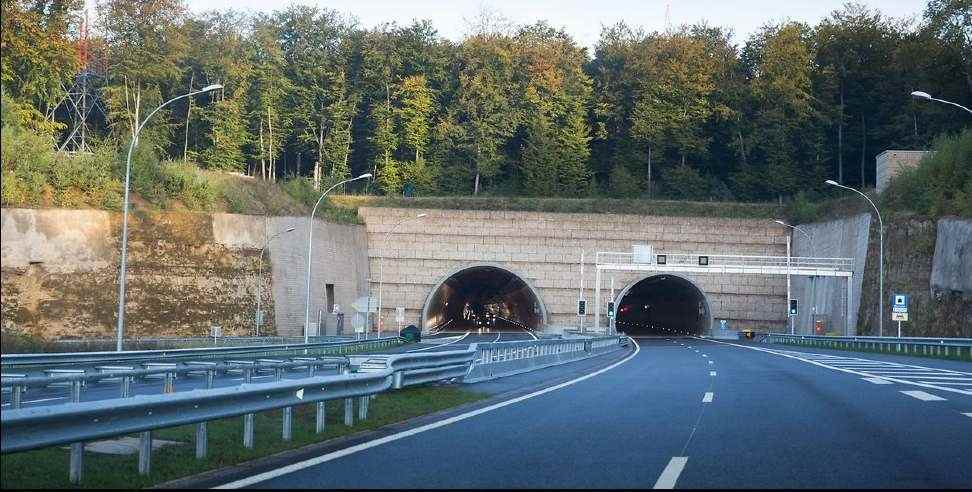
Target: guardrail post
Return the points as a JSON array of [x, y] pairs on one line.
[[201, 439], [16, 396], [349, 412], [320, 418], [248, 431], [126, 386], [144, 452], [76, 464], [363, 407], [288, 418], [169, 387]]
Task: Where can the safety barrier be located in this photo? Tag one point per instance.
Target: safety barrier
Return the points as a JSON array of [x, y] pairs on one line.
[[417, 368], [23, 429], [960, 348], [499, 359], [10, 362]]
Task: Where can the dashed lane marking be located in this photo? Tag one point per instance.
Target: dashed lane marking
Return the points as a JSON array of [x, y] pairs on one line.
[[923, 396], [967, 414], [712, 373], [671, 472], [877, 380], [707, 397]]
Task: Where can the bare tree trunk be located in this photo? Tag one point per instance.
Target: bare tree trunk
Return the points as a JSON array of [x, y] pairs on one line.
[[263, 164], [185, 145], [863, 148], [273, 167], [840, 137], [649, 172]]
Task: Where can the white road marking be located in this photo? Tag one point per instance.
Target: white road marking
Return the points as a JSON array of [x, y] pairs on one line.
[[878, 380], [707, 397], [712, 373], [968, 414], [863, 372], [498, 335], [703, 355], [923, 396], [441, 344], [39, 400], [947, 382], [262, 477], [710, 362], [671, 472]]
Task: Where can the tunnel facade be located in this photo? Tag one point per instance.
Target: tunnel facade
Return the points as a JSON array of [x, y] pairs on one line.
[[483, 296], [663, 304]]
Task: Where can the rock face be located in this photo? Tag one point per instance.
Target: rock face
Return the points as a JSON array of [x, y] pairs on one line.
[[186, 272], [952, 266]]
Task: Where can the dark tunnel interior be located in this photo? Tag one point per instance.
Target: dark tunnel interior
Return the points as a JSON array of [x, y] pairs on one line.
[[663, 305], [483, 297]]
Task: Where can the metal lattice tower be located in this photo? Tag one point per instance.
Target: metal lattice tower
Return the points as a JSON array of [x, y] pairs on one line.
[[82, 98]]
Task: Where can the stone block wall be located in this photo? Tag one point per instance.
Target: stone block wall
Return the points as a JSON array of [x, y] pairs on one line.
[[544, 249]]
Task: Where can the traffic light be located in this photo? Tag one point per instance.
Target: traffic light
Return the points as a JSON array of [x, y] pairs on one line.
[[581, 307], [610, 309], [793, 307]]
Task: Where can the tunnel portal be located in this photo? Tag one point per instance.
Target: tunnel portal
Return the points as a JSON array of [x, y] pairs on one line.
[[663, 305], [487, 297]]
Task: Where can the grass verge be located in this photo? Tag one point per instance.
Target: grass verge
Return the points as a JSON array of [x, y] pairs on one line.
[[48, 468]]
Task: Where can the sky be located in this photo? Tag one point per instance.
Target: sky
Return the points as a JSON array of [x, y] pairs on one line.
[[582, 19]]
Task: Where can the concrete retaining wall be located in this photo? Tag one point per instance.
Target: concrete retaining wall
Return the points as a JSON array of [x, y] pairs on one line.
[[843, 238]]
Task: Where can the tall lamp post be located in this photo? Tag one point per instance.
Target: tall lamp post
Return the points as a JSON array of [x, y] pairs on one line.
[[310, 243], [813, 278], [380, 271], [259, 292], [880, 257], [123, 270], [926, 96]]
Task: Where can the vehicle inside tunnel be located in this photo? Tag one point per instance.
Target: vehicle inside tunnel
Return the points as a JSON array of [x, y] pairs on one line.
[[483, 297], [663, 305]]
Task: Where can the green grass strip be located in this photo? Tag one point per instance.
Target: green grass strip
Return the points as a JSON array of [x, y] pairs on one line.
[[48, 468]]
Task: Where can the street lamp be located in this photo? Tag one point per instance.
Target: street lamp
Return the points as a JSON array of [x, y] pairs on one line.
[[880, 257], [382, 254], [259, 315], [120, 331], [310, 237], [927, 96], [813, 278]]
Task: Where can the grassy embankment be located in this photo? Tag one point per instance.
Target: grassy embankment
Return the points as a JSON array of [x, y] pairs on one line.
[[48, 468]]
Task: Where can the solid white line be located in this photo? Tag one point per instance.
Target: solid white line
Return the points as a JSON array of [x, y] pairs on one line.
[[923, 396], [262, 477], [707, 397], [442, 344], [39, 400], [877, 380], [712, 373], [671, 472], [946, 379], [498, 335], [967, 414], [841, 369]]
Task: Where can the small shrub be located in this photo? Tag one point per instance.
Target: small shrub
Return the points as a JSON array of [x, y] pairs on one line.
[[941, 184]]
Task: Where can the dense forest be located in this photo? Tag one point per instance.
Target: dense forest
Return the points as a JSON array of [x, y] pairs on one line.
[[507, 110]]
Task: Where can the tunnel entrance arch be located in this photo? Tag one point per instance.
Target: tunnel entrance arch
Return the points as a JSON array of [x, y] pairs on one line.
[[662, 304], [475, 295]]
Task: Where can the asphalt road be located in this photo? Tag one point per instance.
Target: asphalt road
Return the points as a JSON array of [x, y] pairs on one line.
[[688, 413]]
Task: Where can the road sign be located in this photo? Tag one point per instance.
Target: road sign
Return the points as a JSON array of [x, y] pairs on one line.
[[899, 316], [899, 303]]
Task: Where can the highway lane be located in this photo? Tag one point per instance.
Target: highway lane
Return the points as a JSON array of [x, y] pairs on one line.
[[684, 413]]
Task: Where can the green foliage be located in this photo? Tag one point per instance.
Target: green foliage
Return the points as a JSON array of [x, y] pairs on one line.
[[684, 182], [941, 184]]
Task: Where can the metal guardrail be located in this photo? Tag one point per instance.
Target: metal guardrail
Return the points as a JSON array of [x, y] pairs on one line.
[[417, 368], [960, 347], [33, 361], [39, 427], [499, 359]]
